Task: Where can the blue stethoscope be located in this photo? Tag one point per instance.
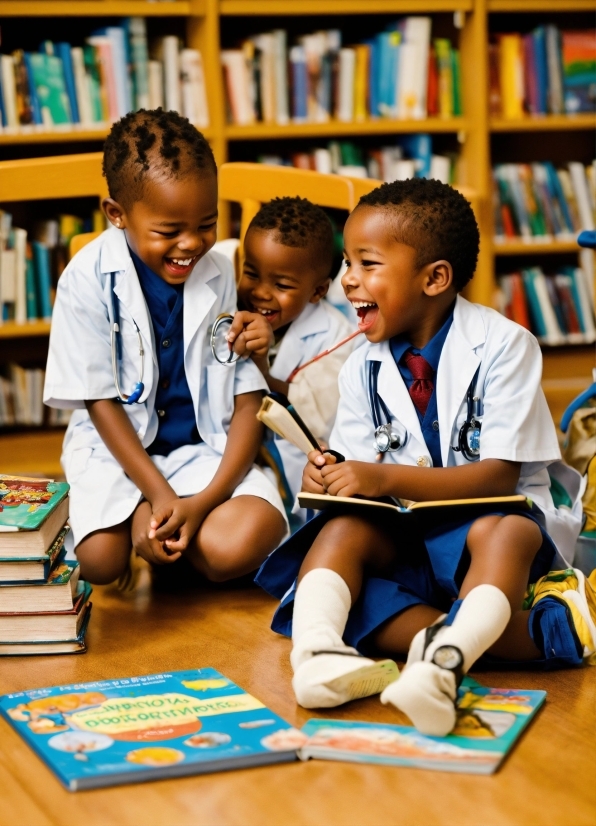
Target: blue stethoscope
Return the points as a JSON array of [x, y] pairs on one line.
[[391, 436], [116, 348]]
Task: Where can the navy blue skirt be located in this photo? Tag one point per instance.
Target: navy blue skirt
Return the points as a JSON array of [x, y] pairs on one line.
[[430, 566]]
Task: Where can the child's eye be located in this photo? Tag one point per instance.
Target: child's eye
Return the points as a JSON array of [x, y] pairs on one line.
[[172, 234], [347, 263], [367, 263], [284, 287], [247, 274], [208, 227]]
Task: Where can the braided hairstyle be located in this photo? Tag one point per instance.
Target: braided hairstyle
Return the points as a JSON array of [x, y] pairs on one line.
[[144, 143], [435, 219], [297, 222]]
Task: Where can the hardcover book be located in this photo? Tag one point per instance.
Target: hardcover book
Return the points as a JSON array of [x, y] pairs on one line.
[[46, 647], [57, 594], [34, 568], [111, 732], [46, 626], [489, 721], [32, 512]]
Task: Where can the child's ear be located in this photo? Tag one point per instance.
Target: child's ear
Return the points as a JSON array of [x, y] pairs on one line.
[[438, 278], [114, 213], [320, 291]]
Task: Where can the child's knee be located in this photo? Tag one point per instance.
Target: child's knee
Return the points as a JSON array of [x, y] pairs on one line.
[[100, 561], [510, 535]]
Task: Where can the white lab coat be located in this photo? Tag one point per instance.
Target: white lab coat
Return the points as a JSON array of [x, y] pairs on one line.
[[517, 424], [79, 368], [317, 328]]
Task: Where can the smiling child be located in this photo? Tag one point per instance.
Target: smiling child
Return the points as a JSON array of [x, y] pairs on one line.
[[448, 593], [173, 474], [288, 256]]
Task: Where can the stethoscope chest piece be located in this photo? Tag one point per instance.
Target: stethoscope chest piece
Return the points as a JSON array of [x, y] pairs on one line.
[[389, 437], [220, 348]]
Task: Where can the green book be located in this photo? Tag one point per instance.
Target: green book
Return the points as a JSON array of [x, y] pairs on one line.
[[48, 77], [456, 73], [94, 82]]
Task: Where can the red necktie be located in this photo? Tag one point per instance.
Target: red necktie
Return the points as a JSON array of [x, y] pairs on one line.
[[422, 387]]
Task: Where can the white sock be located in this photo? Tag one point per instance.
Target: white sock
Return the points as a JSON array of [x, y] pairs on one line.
[[426, 692], [323, 680]]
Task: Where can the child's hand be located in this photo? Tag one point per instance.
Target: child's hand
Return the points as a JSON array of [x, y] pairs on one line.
[[250, 334], [351, 479], [312, 479], [175, 523], [149, 549]]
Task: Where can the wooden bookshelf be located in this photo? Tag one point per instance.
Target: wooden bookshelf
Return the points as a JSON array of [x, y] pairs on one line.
[[545, 123], [9, 329], [533, 248], [302, 7], [334, 128], [100, 8]]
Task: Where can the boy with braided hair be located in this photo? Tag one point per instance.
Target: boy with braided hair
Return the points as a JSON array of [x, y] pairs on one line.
[[172, 475]]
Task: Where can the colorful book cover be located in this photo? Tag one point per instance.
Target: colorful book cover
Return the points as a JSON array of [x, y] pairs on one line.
[[26, 503], [64, 53], [489, 721], [144, 728], [579, 71]]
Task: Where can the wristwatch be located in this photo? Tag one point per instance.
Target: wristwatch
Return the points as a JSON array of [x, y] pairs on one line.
[[451, 659]]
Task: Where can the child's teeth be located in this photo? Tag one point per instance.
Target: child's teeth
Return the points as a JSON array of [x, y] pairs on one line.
[[182, 262], [358, 305]]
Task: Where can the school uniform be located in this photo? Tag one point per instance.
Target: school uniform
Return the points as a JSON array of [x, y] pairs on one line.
[[185, 410], [517, 426], [315, 391]]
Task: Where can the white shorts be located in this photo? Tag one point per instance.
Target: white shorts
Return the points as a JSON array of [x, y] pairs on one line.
[[101, 495]]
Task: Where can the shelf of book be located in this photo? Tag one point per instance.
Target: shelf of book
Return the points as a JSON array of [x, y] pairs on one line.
[[299, 7], [10, 329], [533, 247], [544, 123], [101, 8], [334, 128], [539, 6], [65, 136]]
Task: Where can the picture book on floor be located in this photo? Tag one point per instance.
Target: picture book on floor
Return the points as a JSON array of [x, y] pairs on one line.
[[144, 728], [489, 721]]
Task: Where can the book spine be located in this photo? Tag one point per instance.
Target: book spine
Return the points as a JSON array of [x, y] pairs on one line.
[[511, 75], [155, 74], [9, 92], [582, 195], [282, 103], [345, 100], [41, 259], [360, 83], [65, 54], [299, 76], [20, 243], [32, 304], [555, 71], [137, 33]]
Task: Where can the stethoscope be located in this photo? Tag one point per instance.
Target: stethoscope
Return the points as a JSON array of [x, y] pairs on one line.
[[116, 348], [391, 436]]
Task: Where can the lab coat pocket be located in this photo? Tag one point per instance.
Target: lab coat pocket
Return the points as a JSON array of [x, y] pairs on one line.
[[220, 394], [77, 462]]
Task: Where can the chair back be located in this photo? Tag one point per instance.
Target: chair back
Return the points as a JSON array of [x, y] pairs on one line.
[[253, 184], [64, 176]]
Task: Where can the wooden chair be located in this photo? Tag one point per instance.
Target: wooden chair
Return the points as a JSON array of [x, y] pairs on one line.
[[253, 184], [64, 176]]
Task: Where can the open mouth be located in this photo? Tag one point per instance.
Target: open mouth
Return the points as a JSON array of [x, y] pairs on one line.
[[270, 315], [180, 266], [367, 313]]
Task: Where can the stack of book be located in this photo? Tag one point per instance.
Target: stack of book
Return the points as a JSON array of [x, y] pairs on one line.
[[537, 203], [31, 263], [44, 607], [400, 73], [410, 156], [21, 398], [88, 86], [543, 72], [557, 308]]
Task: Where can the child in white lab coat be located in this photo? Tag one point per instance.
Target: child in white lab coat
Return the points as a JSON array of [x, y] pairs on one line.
[[450, 593], [172, 474], [288, 256]]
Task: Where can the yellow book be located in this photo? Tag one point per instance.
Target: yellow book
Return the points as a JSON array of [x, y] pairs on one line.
[[511, 76], [361, 82], [445, 64]]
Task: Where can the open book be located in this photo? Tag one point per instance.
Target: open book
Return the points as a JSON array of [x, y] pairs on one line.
[[280, 416], [317, 501]]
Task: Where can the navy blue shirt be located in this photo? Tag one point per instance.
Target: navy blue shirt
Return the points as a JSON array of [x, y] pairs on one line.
[[432, 353], [173, 402]]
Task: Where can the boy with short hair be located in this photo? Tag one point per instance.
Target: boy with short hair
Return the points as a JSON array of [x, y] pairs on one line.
[[449, 595], [288, 256]]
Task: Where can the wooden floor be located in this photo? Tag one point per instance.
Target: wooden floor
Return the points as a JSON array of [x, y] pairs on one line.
[[548, 781]]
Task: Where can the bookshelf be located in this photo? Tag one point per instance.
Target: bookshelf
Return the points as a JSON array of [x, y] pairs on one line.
[[210, 25]]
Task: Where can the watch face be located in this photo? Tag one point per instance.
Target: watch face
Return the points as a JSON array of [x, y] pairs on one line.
[[448, 656]]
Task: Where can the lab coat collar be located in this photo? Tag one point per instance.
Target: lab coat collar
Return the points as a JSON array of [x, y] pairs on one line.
[[393, 391], [466, 335], [198, 297], [312, 320]]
